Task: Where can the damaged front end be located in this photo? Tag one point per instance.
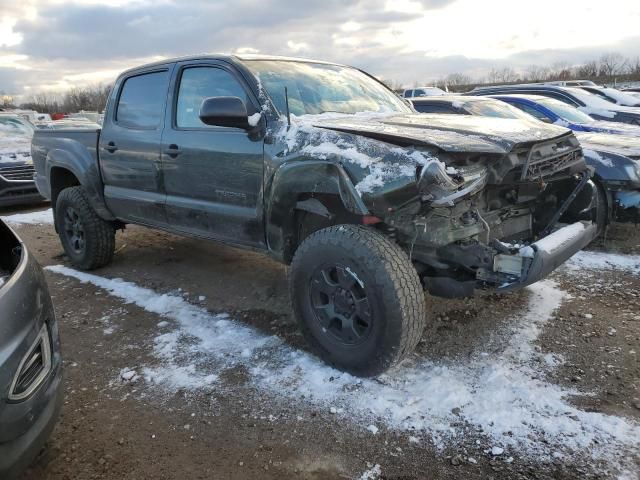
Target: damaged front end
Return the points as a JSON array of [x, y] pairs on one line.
[[497, 221]]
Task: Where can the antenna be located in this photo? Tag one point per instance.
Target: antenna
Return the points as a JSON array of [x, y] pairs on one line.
[[286, 101]]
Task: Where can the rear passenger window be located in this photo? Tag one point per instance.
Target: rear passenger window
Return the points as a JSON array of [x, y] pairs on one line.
[[198, 83], [142, 100]]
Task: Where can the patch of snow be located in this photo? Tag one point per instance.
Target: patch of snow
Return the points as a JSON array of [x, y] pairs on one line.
[[373, 429], [254, 119], [495, 451], [587, 260], [598, 111], [371, 474], [502, 394], [40, 217]]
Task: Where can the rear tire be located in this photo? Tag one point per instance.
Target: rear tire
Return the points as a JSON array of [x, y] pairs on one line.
[[358, 299], [88, 240]]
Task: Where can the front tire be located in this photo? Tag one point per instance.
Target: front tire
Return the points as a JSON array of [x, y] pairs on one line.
[[88, 240], [357, 298]]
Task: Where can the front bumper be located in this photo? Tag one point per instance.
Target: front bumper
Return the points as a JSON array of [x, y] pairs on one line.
[[544, 256], [18, 192], [25, 424]]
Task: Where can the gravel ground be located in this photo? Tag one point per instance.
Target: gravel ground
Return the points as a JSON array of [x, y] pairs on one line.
[[149, 395]]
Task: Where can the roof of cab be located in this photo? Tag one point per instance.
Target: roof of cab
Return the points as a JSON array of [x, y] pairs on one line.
[[223, 56]]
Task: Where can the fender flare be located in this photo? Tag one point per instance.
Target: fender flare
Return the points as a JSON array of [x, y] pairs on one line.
[[76, 159], [288, 184]]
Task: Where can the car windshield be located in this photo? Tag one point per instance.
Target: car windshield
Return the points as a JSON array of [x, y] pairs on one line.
[[15, 127], [493, 108], [619, 96], [565, 111], [315, 88], [589, 99]]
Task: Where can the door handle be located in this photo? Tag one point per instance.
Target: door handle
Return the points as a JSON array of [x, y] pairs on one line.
[[111, 147], [173, 150]]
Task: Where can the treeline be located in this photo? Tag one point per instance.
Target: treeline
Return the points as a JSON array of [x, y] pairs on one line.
[[92, 98], [609, 68]]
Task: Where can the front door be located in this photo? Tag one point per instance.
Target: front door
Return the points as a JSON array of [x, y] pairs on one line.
[[212, 175]]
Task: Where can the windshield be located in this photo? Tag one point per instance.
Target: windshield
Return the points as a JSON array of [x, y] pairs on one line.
[[589, 99], [14, 126], [493, 108], [619, 96], [315, 88], [565, 111]]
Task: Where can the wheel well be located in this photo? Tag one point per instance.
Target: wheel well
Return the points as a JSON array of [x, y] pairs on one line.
[[307, 222], [60, 179]]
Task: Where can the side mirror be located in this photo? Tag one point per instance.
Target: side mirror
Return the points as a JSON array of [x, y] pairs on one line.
[[224, 112]]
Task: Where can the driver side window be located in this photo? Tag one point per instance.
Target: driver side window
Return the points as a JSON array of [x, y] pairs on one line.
[[198, 83]]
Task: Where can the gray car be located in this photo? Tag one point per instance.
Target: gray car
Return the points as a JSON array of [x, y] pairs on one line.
[[30, 361]]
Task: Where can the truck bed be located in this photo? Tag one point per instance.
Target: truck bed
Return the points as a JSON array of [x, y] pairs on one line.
[[83, 142]]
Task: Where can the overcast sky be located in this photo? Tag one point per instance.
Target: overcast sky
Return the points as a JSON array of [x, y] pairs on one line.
[[56, 44]]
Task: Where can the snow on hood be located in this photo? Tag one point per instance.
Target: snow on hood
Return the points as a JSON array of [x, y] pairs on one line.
[[618, 127], [620, 144], [15, 149], [451, 133], [366, 140], [379, 161]]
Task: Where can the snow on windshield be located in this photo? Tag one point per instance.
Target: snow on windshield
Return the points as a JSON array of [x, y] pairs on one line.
[[565, 111]]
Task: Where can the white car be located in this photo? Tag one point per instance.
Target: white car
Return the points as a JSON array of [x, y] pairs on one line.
[[613, 95], [423, 92]]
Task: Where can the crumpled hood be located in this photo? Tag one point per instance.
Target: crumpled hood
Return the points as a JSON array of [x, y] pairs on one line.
[[451, 133], [620, 144]]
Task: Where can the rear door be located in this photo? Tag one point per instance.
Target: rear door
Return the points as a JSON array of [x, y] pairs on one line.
[[212, 175], [129, 147]]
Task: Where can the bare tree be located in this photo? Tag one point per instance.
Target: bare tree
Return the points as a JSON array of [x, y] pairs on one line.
[[633, 66], [454, 79], [589, 69], [86, 98], [611, 64], [536, 73]]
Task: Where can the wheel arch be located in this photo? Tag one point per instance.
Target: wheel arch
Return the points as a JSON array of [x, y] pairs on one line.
[[313, 189], [70, 167]]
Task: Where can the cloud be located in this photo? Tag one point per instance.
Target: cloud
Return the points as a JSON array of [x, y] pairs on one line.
[[64, 42]]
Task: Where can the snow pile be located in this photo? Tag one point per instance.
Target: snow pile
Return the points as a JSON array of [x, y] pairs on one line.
[[40, 217], [501, 396], [585, 260]]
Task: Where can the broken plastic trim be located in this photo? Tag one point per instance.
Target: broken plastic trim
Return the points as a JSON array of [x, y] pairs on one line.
[[443, 189]]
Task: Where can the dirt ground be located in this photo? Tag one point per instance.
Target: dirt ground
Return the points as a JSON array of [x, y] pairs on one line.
[[112, 428]]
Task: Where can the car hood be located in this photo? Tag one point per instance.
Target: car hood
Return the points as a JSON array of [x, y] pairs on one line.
[[617, 127], [450, 133], [14, 151], [620, 144]]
